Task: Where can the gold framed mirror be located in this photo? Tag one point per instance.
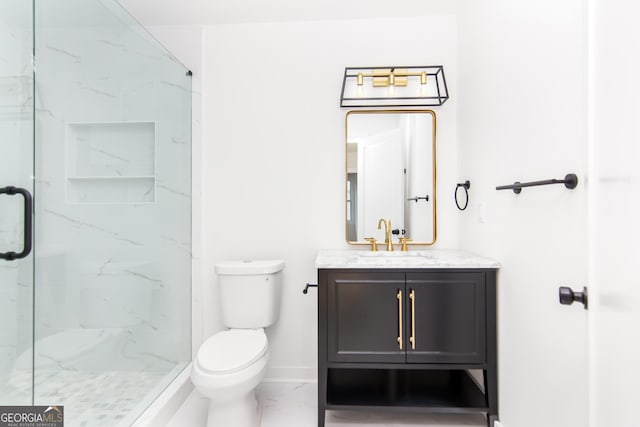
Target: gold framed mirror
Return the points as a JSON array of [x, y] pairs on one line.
[[391, 174]]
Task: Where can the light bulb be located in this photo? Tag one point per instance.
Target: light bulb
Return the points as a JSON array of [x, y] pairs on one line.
[[391, 91], [423, 84], [392, 83]]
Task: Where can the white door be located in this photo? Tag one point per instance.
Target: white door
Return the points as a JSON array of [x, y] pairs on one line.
[[614, 209]]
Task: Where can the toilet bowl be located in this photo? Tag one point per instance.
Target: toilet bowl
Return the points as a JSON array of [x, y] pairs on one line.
[[227, 370], [230, 364]]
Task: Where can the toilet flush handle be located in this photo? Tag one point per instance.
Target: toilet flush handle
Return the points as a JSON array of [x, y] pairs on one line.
[[309, 285]]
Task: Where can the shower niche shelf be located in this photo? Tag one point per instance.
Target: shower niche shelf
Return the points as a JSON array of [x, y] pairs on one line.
[[110, 162]]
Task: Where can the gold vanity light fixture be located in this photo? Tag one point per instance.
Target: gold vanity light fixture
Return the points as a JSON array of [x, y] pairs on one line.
[[394, 86]]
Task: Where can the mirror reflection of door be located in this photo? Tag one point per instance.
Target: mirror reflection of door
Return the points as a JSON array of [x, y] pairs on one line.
[[381, 187], [352, 210], [420, 178]]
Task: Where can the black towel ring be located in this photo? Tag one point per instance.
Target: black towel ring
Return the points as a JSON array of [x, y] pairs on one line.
[[466, 185]]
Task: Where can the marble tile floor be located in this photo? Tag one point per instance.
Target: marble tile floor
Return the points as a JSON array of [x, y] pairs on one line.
[[289, 404]]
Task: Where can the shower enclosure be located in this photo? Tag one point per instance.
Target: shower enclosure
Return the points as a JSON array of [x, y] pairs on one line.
[[95, 211]]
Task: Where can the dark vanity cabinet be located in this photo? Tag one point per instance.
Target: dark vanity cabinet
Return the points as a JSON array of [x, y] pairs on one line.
[[404, 339]]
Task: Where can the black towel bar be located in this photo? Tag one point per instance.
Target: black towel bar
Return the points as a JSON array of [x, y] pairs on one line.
[[415, 199], [570, 181]]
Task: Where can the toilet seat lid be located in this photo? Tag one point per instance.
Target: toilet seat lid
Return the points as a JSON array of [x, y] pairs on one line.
[[232, 350]]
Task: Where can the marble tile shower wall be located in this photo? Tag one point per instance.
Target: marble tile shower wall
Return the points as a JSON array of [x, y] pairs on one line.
[[113, 193]]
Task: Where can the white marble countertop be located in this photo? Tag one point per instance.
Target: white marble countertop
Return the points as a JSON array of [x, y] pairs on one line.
[[428, 258]]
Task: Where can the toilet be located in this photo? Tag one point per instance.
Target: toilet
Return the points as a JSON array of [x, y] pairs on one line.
[[230, 364]]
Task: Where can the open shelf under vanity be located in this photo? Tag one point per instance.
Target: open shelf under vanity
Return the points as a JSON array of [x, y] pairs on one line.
[[446, 390]]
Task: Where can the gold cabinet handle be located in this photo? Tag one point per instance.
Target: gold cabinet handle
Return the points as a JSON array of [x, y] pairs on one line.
[[399, 297], [412, 339]]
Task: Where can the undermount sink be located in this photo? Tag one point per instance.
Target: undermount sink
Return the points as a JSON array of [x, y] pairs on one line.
[[394, 254]]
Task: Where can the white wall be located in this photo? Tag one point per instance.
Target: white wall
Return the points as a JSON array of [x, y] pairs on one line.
[[522, 116], [274, 154]]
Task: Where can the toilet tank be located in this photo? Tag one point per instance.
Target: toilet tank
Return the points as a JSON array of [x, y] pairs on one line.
[[250, 292]]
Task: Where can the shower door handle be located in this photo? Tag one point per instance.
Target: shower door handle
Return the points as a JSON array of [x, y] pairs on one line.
[[28, 222]]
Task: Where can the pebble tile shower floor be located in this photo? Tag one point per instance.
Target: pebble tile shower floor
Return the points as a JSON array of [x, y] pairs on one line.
[[90, 399]]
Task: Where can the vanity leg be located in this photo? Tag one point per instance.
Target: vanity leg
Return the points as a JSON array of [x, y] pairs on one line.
[[323, 371], [322, 396], [491, 371], [321, 412], [491, 391]]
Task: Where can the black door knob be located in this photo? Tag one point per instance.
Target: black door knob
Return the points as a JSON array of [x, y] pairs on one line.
[[568, 296]]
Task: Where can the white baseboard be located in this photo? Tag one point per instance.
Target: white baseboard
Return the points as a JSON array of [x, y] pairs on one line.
[[498, 424], [167, 404], [291, 374]]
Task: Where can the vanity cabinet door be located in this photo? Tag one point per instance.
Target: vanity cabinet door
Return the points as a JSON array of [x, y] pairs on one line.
[[446, 318], [364, 319]]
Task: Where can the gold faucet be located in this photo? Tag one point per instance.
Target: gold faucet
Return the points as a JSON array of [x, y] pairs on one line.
[[387, 232]]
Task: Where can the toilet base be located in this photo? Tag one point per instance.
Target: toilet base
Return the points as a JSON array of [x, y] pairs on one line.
[[242, 412]]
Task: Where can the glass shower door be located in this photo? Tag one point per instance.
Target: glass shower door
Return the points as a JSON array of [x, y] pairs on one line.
[[113, 213], [16, 187], [98, 316]]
